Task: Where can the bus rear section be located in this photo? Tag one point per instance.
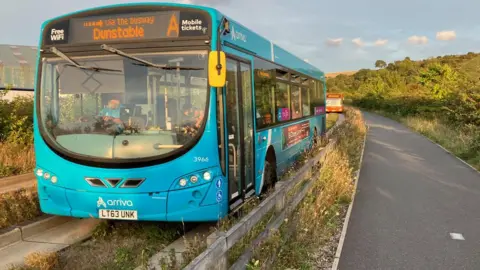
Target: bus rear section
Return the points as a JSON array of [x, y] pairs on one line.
[[125, 118], [334, 103]]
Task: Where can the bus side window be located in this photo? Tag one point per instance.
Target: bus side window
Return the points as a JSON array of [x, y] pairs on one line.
[[264, 93], [295, 102], [282, 101]]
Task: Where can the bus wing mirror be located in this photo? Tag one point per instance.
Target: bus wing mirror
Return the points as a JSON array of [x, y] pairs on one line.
[[217, 67]]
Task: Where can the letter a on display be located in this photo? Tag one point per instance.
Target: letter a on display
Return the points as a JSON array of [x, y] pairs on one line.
[[173, 26]]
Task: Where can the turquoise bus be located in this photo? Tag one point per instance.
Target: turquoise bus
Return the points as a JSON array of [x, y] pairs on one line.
[[166, 112]]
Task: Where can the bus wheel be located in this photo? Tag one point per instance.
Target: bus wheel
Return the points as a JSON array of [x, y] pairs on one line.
[[269, 176]]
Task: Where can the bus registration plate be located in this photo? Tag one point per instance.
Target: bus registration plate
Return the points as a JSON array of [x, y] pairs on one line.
[[117, 214]]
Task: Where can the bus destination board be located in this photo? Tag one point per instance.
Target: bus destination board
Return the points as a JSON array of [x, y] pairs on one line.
[[129, 27]]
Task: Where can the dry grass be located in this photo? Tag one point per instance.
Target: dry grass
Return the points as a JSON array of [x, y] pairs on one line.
[[246, 241], [464, 142], [16, 159], [308, 238], [193, 248], [198, 245], [18, 206], [115, 245], [459, 141], [331, 119], [119, 245], [42, 261]]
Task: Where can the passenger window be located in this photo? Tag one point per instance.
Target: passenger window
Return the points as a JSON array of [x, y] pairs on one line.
[[296, 102], [321, 96], [282, 100], [317, 97], [313, 100], [305, 100], [264, 90]]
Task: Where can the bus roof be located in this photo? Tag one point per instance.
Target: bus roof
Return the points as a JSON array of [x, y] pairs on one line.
[[260, 46], [240, 36]]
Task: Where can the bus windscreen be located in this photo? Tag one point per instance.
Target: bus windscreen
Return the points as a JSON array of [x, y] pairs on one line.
[[334, 102]]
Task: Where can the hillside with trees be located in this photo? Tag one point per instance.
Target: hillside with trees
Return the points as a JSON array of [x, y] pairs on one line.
[[439, 97]]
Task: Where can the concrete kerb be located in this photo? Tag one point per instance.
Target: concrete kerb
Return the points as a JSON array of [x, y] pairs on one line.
[[43, 225], [10, 237], [16, 179], [215, 257], [22, 232]]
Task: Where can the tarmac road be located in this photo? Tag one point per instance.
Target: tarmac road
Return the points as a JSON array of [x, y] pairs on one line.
[[411, 196]]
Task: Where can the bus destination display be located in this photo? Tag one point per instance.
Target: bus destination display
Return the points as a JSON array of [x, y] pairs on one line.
[[129, 27]]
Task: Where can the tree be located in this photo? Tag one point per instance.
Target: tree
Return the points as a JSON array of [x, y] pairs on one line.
[[441, 80], [380, 64]]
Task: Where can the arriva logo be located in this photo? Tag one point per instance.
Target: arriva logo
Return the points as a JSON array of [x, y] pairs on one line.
[[118, 202], [101, 202], [238, 35]]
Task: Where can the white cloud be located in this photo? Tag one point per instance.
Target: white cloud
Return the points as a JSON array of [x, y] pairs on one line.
[[334, 41], [358, 42], [381, 42], [418, 40], [446, 35]]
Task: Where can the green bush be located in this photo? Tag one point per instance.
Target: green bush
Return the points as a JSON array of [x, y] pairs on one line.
[[16, 120], [16, 136]]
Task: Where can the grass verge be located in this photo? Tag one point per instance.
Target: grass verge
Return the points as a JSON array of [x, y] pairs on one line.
[[332, 119], [464, 142], [309, 236], [18, 206], [114, 245], [120, 245], [16, 159]]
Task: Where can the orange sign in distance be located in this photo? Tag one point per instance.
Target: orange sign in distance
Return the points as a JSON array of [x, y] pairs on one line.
[[334, 95]]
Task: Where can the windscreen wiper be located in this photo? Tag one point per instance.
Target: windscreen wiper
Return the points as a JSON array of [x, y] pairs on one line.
[[77, 65], [144, 62]]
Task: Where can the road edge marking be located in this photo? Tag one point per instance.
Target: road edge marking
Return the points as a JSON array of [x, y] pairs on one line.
[[449, 152], [338, 253]]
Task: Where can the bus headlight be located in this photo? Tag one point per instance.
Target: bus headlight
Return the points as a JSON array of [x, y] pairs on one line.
[[39, 172], [193, 179], [54, 179], [207, 176], [46, 176], [183, 182]]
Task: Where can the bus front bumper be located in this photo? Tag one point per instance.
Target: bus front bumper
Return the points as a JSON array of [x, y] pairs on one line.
[[190, 205]]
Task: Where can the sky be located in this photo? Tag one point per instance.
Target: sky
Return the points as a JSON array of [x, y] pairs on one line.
[[339, 35]]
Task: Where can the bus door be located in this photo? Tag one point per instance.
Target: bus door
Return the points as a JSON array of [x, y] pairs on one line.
[[239, 132]]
